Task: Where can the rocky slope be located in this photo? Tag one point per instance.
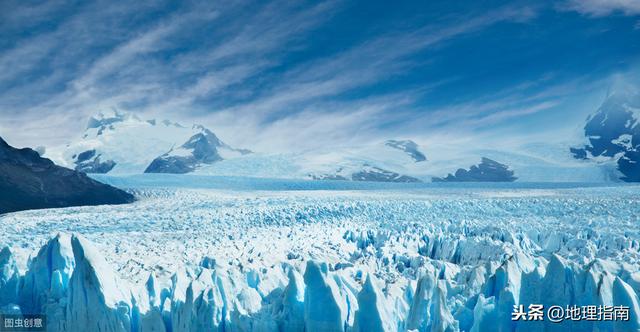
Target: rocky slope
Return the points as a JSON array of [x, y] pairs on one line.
[[28, 181], [201, 148], [486, 171]]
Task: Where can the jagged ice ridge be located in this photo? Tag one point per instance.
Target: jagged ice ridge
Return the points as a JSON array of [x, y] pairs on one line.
[[434, 260]]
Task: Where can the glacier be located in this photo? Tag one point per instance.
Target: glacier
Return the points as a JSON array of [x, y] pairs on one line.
[[286, 258]]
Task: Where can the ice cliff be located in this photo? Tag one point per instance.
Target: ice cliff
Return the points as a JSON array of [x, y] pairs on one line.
[[70, 282]]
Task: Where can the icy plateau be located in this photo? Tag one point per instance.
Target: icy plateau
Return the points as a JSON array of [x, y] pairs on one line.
[[417, 258]]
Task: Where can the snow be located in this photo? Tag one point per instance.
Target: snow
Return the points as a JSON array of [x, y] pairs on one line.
[[276, 255], [624, 140], [635, 111], [534, 162], [133, 143], [531, 162], [343, 161]]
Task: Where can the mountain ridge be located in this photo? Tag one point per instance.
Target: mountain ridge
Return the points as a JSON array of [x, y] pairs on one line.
[[120, 143], [123, 143], [28, 181]]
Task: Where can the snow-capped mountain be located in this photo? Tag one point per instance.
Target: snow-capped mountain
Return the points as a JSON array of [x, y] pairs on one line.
[[613, 135], [201, 148], [122, 143]]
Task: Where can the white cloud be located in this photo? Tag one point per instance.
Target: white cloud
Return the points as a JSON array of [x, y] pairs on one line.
[[255, 108], [597, 8], [371, 62], [331, 123]]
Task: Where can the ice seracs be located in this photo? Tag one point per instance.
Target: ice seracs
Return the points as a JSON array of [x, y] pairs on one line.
[[97, 299], [324, 309], [443, 259], [374, 311], [291, 314], [83, 292], [9, 280]]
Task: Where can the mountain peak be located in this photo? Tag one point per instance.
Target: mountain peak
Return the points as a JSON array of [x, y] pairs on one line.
[[613, 134], [170, 123], [408, 146], [108, 117], [201, 148]]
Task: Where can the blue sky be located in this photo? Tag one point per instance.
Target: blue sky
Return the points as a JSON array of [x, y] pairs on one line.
[[286, 75]]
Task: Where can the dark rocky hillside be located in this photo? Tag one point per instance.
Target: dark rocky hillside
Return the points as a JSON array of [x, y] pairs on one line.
[[28, 181], [487, 171]]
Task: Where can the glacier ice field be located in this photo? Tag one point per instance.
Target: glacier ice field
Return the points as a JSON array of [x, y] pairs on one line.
[[247, 255]]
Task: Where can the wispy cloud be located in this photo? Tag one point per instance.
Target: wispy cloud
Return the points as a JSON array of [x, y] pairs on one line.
[[478, 121], [349, 123], [599, 8], [310, 85], [368, 63], [248, 70], [226, 76]]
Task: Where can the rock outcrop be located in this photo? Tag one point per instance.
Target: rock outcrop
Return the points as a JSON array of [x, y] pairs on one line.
[[28, 181], [487, 171]]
